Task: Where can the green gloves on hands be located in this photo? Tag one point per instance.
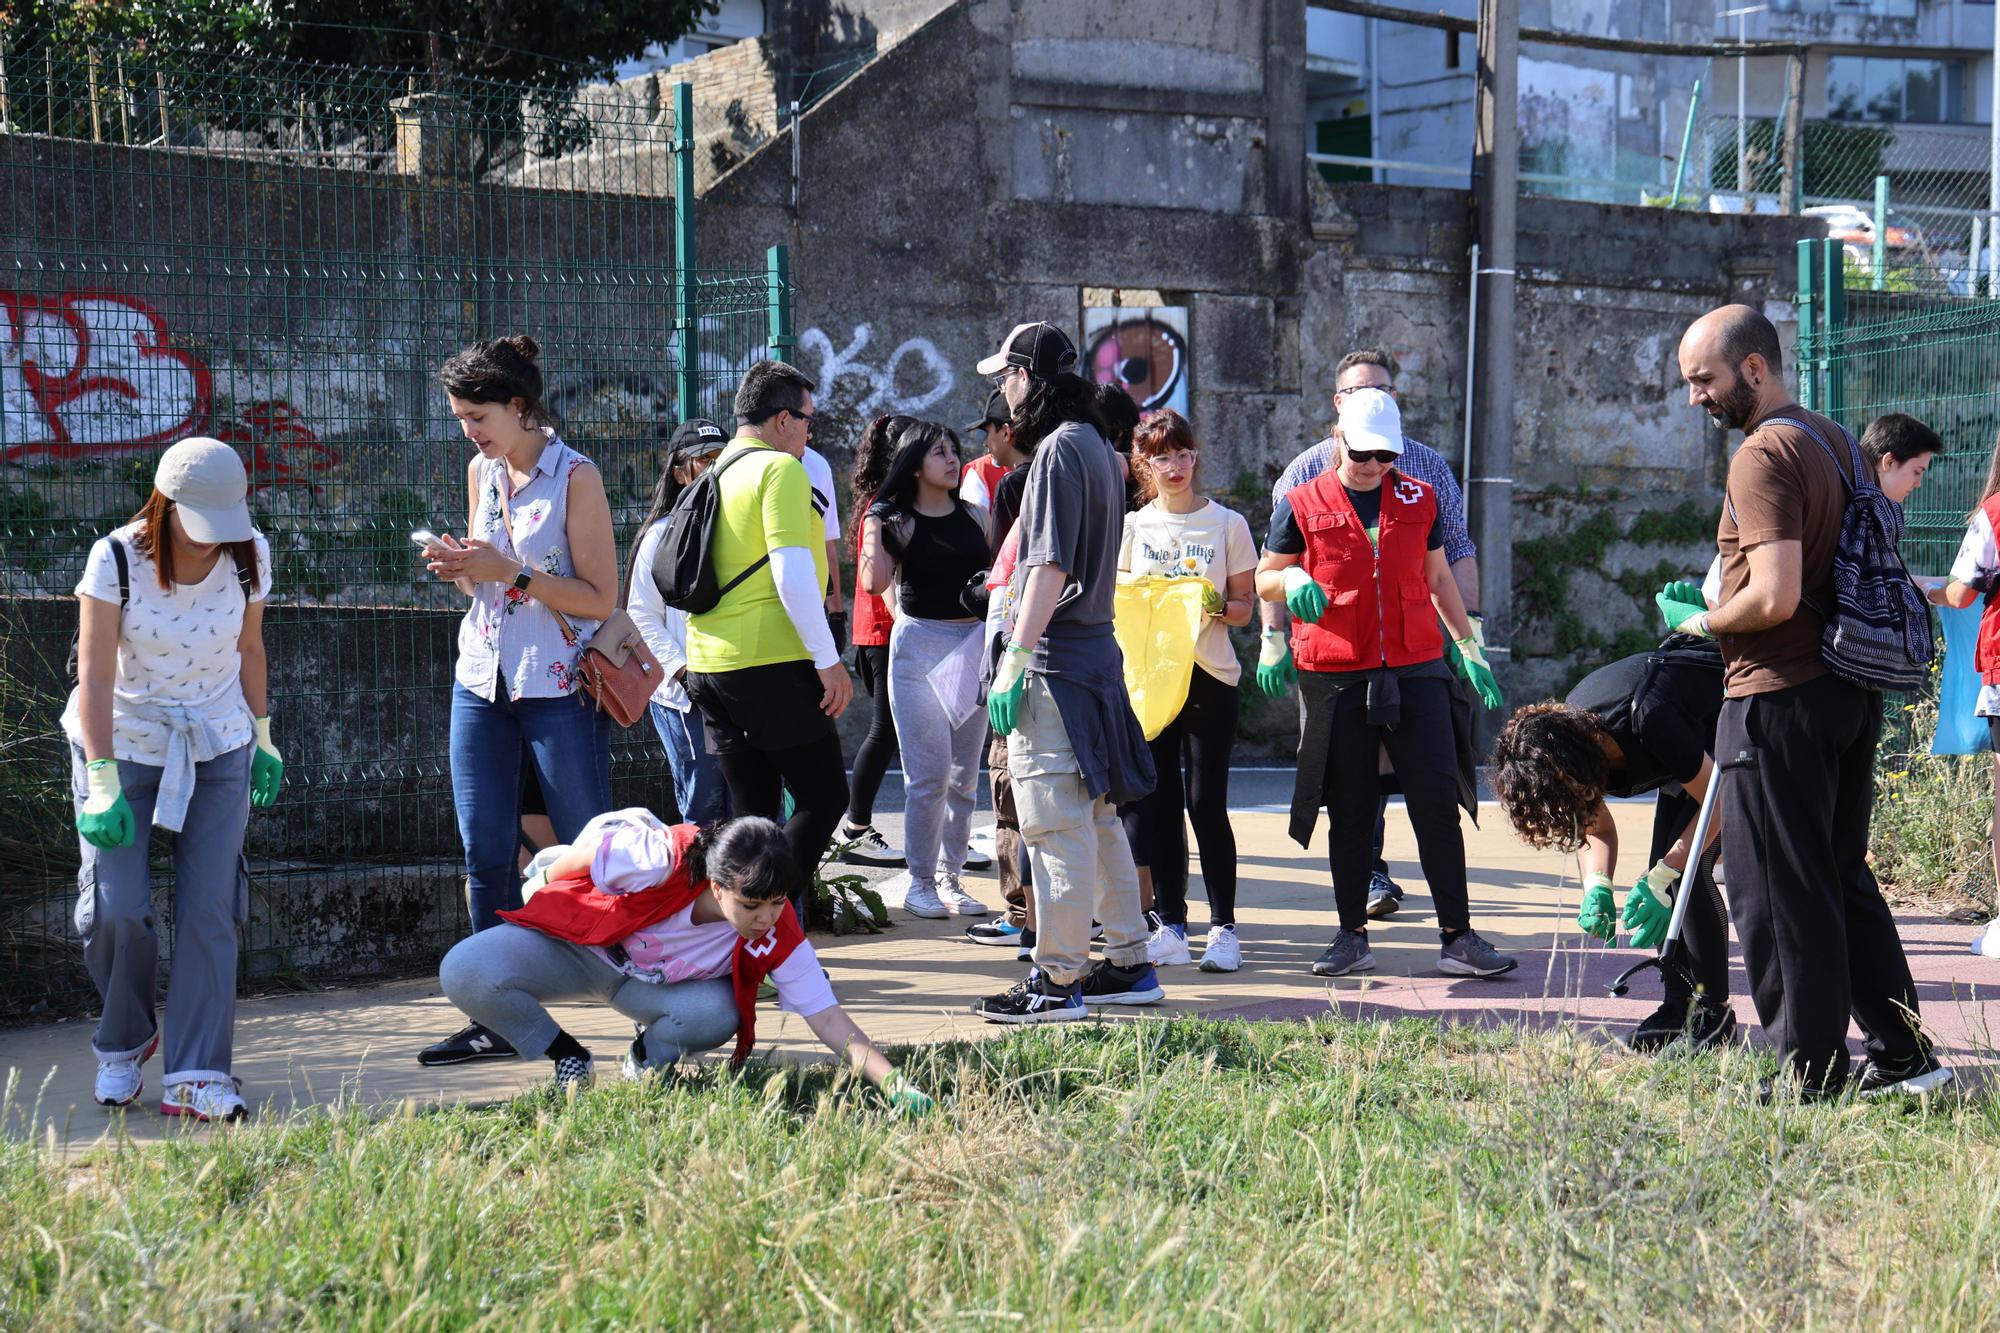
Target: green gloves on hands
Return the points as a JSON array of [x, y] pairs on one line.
[[1212, 601], [1304, 598], [106, 818], [1646, 914], [1683, 608], [1010, 679], [1472, 665], [1598, 913], [267, 767], [906, 1098], [1275, 672]]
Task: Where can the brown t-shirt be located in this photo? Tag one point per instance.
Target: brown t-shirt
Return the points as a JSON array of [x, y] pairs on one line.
[[1784, 488]]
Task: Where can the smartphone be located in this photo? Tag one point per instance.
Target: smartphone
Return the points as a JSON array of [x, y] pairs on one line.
[[426, 539]]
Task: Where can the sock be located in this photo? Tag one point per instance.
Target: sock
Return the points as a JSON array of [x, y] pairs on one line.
[[1362, 933], [565, 1045], [1449, 935]]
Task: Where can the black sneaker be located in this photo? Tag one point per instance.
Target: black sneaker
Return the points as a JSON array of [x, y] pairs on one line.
[[575, 1073], [1919, 1078], [1349, 952], [1385, 895], [1033, 999], [476, 1041], [1108, 983], [1682, 1023], [1002, 933]]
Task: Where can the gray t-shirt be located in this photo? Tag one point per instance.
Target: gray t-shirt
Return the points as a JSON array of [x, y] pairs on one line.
[[1073, 517]]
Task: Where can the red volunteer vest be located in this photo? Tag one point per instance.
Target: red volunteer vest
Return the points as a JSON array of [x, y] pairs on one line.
[[1986, 655], [871, 622], [573, 909], [1379, 610], [989, 471]]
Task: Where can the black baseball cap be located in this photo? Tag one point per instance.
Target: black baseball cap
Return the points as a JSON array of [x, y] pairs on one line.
[[1043, 350], [694, 437], [997, 413]]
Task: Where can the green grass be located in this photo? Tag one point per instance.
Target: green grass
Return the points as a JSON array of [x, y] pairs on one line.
[[1191, 1174]]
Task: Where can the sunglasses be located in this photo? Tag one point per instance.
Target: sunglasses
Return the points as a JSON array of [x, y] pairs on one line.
[[1381, 456]]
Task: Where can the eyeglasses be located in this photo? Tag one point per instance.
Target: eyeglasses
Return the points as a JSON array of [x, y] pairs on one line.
[[1175, 457], [1389, 389], [999, 378], [806, 417], [1381, 456]]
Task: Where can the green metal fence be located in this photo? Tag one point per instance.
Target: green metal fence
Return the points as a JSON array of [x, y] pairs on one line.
[[279, 254]]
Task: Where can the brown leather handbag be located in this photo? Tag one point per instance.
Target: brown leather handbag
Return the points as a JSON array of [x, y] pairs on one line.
[[616, 668]]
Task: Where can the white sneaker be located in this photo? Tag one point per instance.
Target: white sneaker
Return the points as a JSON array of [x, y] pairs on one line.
[[204, 1101], [119, 1082], [1988, 944], [1168, 946], [870, 848], [958, 900], [979, 851], [922, 900], [1223, 953]]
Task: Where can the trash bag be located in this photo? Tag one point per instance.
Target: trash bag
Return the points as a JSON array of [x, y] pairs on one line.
[[1959, 730], [1157, 621]]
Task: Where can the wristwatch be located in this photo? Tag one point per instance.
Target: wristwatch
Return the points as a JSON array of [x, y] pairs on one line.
[[524, 578]]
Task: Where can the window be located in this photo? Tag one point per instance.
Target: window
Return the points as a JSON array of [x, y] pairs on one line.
[[1890, 90]]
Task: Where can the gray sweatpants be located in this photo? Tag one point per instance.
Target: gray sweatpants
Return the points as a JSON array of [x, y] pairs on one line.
[[940, 759], [503, 976], [121, 943]]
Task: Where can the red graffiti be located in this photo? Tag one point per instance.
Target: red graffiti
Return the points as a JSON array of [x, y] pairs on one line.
[[283, 449], [89, 372]]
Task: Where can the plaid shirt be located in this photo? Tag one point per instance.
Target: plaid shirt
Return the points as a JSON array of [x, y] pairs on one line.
[[1420, 461]]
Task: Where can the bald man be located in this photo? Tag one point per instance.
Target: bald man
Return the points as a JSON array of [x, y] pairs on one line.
[[1795, 742]]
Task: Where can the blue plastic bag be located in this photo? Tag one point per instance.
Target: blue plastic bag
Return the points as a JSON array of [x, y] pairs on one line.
[[1959, 731]]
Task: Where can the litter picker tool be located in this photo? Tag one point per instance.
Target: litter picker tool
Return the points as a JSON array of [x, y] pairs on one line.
[[1668, 959]]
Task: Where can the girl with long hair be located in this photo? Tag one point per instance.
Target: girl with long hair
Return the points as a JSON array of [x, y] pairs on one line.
[[170, 725], [539, 565], [921, 544], [677, 928], [700, 794], [872, 624], [1179, 533]]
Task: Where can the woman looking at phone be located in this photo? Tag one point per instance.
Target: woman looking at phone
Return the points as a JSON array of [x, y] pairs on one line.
[[539, 543]]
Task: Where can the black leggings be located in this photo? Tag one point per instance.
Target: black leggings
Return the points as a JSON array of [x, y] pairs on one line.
[[1192, 758], [1705, 929], [878, 747], [1423, 750], [817, 781]]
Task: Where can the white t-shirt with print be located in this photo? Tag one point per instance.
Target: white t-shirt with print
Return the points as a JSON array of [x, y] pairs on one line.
[[1977, 565], [1211, 543], [176, 647]]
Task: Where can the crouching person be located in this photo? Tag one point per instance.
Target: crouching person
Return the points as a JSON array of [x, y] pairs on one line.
[[674, 927]]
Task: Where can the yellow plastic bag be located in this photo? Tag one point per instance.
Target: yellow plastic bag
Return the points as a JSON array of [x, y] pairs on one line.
[[1157, 621]]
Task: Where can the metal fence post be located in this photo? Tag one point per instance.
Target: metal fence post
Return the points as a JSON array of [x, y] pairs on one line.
[[686, 318], [1833, 315], [778, 301], [1808, 316], [1878, 279]]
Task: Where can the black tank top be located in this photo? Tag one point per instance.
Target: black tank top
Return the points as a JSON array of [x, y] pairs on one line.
[[944, 554]]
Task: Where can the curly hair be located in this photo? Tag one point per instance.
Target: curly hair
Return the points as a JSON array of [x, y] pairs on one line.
[[1550, 774], [871, 463]]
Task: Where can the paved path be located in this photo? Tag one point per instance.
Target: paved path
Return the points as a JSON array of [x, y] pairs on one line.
[[914, 983]]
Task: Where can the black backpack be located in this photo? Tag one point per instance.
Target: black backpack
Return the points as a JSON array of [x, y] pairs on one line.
[[684, 567], [1878, 630], [125, 599]]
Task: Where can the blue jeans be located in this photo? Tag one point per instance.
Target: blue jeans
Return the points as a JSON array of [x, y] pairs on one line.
[[570, 744], [699, 791]]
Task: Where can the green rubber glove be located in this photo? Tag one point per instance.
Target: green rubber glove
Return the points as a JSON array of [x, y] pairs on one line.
[[906, 1098], [1472, 665], [1598, 913], [1212, 601], [1682, 607], [1304, 598], [1275, 672], [106, 818], [1010, 679], [1646, 915], [267, 767]]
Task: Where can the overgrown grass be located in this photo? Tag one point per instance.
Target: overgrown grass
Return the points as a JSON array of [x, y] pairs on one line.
[[1931, 834], [1173, 1175]]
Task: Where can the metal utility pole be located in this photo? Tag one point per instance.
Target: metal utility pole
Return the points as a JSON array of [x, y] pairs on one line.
[[1495, 166], [1742, 16], [1993, 152]]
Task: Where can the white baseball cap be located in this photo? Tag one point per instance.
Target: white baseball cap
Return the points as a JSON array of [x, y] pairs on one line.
[[206, 481], [1371, 422]]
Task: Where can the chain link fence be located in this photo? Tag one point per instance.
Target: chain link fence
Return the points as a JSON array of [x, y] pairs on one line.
[[280, 253]]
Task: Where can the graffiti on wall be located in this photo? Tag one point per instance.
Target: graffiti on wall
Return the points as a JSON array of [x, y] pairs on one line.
[[1143, 349], [94, 374], [912, 377]]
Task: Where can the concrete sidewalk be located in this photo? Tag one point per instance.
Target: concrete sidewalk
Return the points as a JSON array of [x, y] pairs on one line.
[[915, 982]]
